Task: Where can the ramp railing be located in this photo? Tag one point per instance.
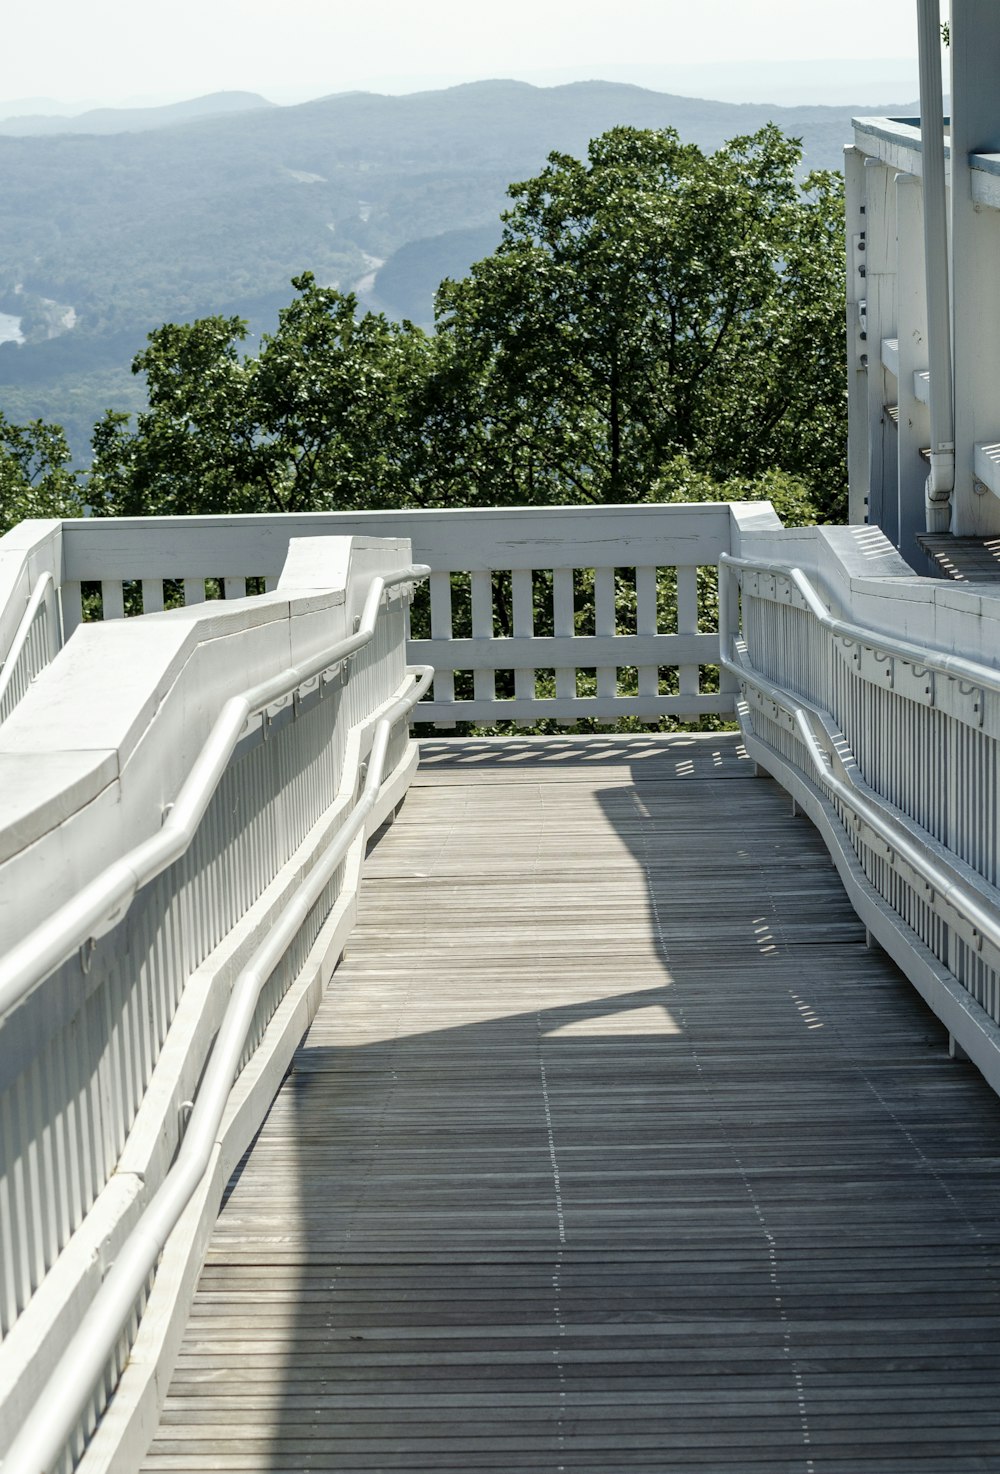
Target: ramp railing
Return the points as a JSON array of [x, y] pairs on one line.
[[190, 796], [889, 741]]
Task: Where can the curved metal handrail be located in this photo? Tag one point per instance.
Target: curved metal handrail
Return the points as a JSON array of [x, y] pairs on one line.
[[953, 888], [65, 1396], [101, 904], [984, 676]]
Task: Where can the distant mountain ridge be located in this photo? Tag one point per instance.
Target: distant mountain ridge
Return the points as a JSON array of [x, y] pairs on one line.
[[103, 237], [131, 120]]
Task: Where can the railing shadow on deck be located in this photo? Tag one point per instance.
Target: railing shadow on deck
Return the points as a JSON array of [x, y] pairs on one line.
[[725, 1206]]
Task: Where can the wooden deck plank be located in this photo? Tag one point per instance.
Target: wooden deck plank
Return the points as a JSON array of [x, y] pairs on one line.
[[611, 1148]]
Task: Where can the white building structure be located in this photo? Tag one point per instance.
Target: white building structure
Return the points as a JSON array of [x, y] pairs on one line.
[[923, 287]]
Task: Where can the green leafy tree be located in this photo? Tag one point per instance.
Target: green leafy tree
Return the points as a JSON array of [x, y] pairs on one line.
[[35, 479], [321, 418], [648, 303], [652, 301]]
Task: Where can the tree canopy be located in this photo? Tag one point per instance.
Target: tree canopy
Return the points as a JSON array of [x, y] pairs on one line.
[[649, 307], [34, 477], [320, 417], [653, 301]]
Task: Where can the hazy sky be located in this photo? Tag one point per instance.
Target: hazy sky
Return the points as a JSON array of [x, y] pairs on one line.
[[117, 50]]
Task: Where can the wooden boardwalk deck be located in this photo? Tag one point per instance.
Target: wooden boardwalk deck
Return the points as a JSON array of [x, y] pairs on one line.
[[612, 1149]]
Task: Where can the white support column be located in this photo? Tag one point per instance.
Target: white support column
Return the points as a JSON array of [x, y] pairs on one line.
[[857, 344], [911, 331], [880, 294], [975, 128]]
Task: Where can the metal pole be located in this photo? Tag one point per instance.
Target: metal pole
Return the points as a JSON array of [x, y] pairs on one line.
[[941, 481]]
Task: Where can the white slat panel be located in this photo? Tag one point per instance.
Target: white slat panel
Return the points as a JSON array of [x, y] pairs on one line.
[[152, 595], [524, 627], [564, 624], [112, 598], [444, 680], [484, 681], [687, 624], [604, 624], [645, 624]]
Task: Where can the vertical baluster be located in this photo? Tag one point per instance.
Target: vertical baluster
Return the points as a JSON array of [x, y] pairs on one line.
[[990, 838], [12, 1266], [57, 1082], [112, 598], [27, 1127], [687, 624], [44, 1091], [152, 595], [524, 629], [87, 1105], [119, 1061], [235, 588], [564, 627], [444, 678], [645, 624], [143, 984], [194, 591], [483, 680], [604, 624]]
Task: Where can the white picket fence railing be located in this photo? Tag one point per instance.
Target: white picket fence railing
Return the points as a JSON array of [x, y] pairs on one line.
[[873, 696], [569, 613], [180, 790]]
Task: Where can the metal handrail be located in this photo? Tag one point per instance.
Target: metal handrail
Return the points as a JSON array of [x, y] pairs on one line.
[[45, 584], [984, 676], [101, 904], [952, 887], [65, 1396]]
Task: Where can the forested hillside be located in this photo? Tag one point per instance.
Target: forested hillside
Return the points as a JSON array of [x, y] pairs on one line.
[[655, 322], [103, 238]]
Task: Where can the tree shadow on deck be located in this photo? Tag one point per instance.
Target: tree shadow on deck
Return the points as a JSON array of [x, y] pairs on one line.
[[639, 1160]]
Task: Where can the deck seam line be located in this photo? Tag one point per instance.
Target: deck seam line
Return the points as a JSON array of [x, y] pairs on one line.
[[801, 1407], [921, 1155]]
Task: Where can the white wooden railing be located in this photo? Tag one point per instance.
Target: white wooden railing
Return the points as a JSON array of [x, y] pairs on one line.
[[179, 787], [567, 614], [185, 810], [873, 696]]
